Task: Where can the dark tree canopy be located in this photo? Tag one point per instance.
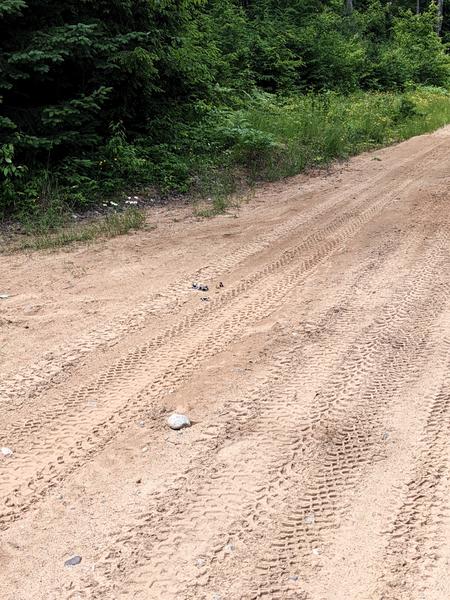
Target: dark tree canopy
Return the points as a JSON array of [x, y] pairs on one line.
[[74, 74]]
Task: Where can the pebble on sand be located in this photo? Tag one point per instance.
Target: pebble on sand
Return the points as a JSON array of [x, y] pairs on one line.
[[178, 421], [74, 560], [6, 451]]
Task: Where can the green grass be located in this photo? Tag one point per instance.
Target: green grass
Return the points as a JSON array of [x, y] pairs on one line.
[[310, 131], [105, 227], [216, 157], [218, 206], [277, 137]]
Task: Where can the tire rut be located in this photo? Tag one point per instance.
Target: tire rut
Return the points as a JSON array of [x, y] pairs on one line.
[[175, 365], [343, 436], [211, 503], [415, 537], [37, 377], [344, 309]]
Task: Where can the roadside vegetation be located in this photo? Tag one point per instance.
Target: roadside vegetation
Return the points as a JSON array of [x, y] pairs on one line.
[[275, 137], [100, 100], [111, 225]]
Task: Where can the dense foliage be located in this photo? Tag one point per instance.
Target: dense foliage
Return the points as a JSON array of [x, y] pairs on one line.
[[98, 95]]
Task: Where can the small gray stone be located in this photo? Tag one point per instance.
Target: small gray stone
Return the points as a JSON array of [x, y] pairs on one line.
[[4, 296], [200, 562], [293, 577], [6, 451], [309, 519], [74, 560], [178, 421], [32, 309]]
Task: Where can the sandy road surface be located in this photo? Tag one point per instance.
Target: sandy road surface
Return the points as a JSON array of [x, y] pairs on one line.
[[317, 379]]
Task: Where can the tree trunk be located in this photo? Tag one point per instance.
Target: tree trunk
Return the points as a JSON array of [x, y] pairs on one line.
[[348, 7], [417, 7], [440, 9]]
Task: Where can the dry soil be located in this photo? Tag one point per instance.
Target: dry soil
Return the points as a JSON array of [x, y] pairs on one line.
[[316, 375]]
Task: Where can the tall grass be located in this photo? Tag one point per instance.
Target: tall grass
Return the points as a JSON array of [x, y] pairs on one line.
[[314, 130], [221, 151], [272, 137], [106, 227]]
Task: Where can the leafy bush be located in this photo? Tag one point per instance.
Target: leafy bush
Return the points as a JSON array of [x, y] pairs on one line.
[[414, 54], [301, 131], [334, 54], [99, 97]]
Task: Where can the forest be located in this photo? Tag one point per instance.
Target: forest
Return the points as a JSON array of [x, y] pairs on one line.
[[101, 100]]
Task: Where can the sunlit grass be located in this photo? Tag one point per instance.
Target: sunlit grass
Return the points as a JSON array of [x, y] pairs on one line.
[[314, 130], [109, 226]]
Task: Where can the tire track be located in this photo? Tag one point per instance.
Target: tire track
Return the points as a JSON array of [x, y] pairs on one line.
[[140, 354], [95, 426], [256, 498], [416, 534], [37, 377], [354, 559], [342, 438], [276, 408], [187, 494], [128, 366]]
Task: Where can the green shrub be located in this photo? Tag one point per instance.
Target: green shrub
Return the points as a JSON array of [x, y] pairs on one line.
[[414, 54], [98, 98]]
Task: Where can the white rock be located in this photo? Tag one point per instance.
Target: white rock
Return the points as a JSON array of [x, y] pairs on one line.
[[309, 519], [6, 451], [178, 421]]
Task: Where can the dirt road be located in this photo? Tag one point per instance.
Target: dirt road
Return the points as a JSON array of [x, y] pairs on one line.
[[317, 378]]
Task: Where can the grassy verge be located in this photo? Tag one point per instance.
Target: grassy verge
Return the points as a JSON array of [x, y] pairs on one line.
[[274, 138], [106, 227], [222, 151]]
